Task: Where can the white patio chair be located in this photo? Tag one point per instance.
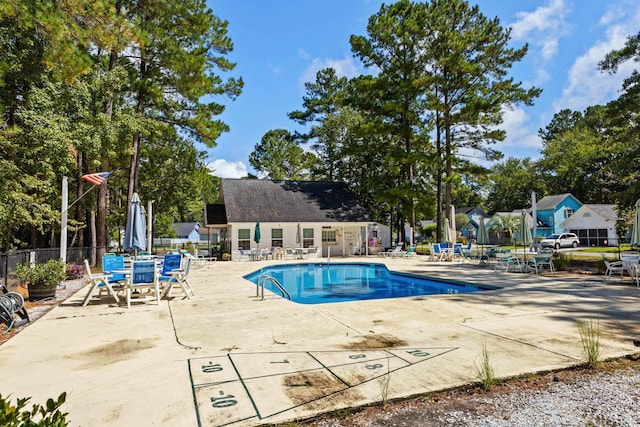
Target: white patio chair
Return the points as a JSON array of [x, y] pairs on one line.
[[143, 284], [181, 278], [99, 281]]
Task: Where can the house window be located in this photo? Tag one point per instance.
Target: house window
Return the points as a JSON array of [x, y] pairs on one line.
[[276, 237], [307, 237], [244, 238], [568, 212], [329, 236]]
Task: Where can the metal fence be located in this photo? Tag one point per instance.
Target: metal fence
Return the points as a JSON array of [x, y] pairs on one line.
[[10, 260]]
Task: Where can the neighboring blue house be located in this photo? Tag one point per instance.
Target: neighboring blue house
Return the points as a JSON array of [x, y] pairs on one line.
[[552, 211], [186, 232], [475, 214]]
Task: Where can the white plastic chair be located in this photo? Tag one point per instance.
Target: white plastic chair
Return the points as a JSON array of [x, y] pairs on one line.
[[98, 281], [143, 284], [181, 278]]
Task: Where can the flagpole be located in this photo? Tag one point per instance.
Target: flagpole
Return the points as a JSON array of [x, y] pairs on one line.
[[64, 219], [64, 216]]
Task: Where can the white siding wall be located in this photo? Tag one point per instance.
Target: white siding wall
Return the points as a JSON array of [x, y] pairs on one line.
[[350, 237]]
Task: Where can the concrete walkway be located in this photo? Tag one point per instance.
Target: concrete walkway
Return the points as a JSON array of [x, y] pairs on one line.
[[225, 357]]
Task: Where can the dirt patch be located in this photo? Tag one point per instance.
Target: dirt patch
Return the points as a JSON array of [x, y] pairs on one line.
[[304, 387], [113, 352], [376, 341]]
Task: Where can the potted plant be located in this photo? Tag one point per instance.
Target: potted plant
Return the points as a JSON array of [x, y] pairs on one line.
[[42, 278]]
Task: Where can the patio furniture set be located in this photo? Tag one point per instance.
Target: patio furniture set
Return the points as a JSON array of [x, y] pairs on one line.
[[275, 252], [490, 255], [146, 278]]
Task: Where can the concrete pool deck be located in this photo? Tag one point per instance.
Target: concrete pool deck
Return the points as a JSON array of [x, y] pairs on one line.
[[225, 357]]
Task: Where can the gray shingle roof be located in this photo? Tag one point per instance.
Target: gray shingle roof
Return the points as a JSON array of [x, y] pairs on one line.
[[550, 202], [184, 228], [605, 211], [248, 200]]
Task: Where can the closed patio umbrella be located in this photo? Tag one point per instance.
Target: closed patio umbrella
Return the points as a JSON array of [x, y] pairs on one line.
[[135, 232], [454, 232], [299, 236], [446, 233], [256, 234], [483, 235], [635, 235], [525, 230]]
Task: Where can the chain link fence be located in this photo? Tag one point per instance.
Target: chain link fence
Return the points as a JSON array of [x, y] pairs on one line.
[[10, 260]]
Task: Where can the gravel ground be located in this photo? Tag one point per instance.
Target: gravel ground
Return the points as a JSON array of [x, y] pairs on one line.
[[608, 397]]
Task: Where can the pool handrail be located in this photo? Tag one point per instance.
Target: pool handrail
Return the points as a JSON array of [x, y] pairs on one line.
[[260, 284]]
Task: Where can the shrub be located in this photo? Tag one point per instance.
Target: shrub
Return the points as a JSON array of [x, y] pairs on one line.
[[44, 274], [17, 415], [75, 271], [561, 261]]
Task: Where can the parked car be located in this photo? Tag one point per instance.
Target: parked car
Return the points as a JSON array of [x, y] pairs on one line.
[[562, 240]]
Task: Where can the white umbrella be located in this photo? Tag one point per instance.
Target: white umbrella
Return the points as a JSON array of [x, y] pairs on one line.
[[299, 235], [635, 235], [454, 234], [446, 233]]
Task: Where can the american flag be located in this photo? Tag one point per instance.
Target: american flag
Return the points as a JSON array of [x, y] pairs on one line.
[[96, 178]]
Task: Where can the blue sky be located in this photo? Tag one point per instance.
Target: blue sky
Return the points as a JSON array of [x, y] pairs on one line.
[[281, 44]]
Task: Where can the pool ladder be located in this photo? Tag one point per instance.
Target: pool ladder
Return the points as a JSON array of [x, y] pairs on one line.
[[266, 278]]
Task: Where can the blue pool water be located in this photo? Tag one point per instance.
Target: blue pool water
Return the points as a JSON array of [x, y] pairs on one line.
[[316, 283]]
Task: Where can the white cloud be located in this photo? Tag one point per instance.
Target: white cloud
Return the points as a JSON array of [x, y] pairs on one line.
[[589, 86], [226, 169], [515, 123], [274, 69], [547, 20], [542, 30], [303, 53], [345, 67]]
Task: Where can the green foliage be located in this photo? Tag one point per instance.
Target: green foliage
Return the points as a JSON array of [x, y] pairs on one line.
[[504, 224], [484, 370], [45, 274], [561, 261], [279, 157], [512, 183], [590, 333], [19, 415]]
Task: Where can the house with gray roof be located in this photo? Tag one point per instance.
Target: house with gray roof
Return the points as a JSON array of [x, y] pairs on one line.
[[185, 232], [327, 213], [595, 225]]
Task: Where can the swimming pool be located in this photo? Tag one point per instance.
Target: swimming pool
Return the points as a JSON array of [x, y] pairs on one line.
[[316, 283]]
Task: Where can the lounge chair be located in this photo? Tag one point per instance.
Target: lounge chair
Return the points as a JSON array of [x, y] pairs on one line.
[[410, 252], [397, 251]]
